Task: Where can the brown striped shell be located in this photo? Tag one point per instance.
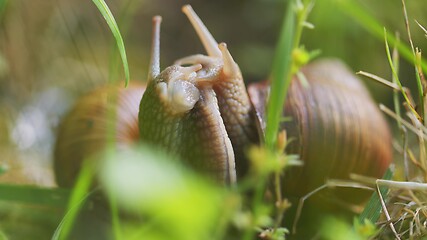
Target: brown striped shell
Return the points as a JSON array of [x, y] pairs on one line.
[[335, 127], [82, 134]]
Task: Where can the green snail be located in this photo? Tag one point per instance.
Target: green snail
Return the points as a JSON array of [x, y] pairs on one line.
[[199, 110]]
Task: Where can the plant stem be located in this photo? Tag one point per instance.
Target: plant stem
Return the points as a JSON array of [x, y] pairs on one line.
[[279, 201], [419, 83], [396, 77], [396, 100], [281, 77]]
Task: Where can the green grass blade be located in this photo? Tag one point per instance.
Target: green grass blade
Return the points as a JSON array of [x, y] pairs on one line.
[[418, 80], [124, 19], [64, 227], [280, 76], [396, 77], [372, 25], [34, 195], [373, 208], [78, 196], [109, 18], [3, 5], [280, 80], [115, 217], [396, 101]]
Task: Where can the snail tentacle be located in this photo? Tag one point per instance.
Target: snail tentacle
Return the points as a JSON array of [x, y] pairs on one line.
[[154, 69], [222, 72], [211, 69], [230, 68], [205, 36]]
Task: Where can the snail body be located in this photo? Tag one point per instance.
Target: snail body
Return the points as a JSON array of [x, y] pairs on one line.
[[180, 115], [199, 110]]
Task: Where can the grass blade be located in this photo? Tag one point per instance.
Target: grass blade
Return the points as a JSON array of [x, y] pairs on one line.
[[422, 28], [395, 60], [34, 195], [109, 18], [372, 210], [78, 196], [280, 80], [64, 227], [3, 5], [417, 66], [281, 77], [115, 217], [124, 19], [396, 77], [367, 21]]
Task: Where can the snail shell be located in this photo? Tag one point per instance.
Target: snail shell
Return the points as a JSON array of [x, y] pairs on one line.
[[336, 127], [82, 134]]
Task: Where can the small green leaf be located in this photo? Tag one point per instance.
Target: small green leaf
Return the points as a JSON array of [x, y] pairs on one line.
[[109, 18]]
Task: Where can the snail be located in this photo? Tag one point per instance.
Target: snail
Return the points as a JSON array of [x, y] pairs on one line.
[[202, 112], [199, 110], [82, 133], [335, 127]]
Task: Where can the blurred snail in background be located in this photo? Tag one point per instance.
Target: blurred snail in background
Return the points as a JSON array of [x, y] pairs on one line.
[[199, 110], [82, 134]]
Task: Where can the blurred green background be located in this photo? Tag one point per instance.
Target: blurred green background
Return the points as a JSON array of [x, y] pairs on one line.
[[52, 51]]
